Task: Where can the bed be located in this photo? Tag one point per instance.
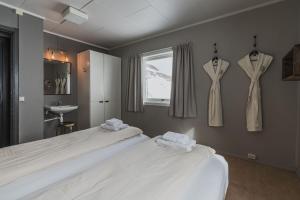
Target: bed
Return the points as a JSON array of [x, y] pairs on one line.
[[21, 170], [146, 171]]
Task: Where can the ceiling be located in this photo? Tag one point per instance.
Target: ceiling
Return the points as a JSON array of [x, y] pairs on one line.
[[113, 23]]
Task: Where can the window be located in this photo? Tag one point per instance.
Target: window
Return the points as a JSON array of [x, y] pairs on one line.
[[157, 77]]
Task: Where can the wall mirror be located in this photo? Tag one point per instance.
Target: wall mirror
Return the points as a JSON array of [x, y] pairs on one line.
[[57, 77]]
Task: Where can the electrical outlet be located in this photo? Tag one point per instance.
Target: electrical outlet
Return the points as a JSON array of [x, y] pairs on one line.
[[251, 156]]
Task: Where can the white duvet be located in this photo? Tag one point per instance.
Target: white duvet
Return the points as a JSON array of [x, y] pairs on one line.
[[146, 172], [20, 160]]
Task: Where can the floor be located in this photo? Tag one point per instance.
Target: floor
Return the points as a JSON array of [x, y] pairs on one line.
[[252, 181]]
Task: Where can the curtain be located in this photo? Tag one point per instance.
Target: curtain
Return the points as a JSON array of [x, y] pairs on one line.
[[134, 85], [183, 98]]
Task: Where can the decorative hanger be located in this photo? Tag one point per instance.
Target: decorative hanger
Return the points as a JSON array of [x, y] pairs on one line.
[[254, 53], [215, 58], [215, 52]]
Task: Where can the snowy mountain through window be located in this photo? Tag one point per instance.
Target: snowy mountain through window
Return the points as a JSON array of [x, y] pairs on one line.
[[157, 70]]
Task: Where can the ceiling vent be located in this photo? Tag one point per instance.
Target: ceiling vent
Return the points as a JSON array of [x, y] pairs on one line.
[[75, 16]]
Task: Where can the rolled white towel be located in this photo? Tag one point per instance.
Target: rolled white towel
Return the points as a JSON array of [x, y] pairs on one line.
[[177, 137], [187, 147], [114, 128], [114, 122], [123, 126], [108, 127]]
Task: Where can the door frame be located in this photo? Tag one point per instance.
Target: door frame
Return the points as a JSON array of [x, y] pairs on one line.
[[13, 34]]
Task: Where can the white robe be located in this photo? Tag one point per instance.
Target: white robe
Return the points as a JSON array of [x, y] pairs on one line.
[[254, 70], [215, 117]]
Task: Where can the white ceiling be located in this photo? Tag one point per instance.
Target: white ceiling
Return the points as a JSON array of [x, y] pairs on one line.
[[117, 22]]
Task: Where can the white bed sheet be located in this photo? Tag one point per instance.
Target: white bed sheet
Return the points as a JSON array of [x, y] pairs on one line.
[[209, 182], [50, 175], [23, 159]]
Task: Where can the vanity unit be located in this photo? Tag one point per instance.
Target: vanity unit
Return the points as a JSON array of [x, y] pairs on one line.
[[58, 89], [99, 88]]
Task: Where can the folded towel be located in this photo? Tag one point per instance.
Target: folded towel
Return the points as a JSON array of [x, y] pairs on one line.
[[114, 128], [177, 138], [187, 147], [114, 122]]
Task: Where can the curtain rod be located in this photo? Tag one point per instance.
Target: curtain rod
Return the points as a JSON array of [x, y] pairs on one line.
[[163, 49], [156, 51]]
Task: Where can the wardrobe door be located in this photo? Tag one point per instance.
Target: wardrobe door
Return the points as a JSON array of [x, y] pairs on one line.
[[96, 76], [96, 89], [97, 114], [112, 86]]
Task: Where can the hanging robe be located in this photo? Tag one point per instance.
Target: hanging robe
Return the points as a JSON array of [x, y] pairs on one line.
[[254, 70], [215, 116]]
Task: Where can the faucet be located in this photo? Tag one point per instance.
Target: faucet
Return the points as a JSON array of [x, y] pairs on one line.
[[59, 102]]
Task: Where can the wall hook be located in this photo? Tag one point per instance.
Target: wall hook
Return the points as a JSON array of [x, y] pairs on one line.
[[255, 41], [215, 48]]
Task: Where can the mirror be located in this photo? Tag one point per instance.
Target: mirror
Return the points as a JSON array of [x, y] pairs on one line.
[[57, 77]]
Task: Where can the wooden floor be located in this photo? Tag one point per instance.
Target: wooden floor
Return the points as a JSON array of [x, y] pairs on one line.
[[251, 181]]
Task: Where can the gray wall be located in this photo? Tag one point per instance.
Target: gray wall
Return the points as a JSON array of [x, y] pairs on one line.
[[30, 72], [31, 78], [298, 136], [8, 18], [276, 29], [71, 48], [298, 132], [32, 43]]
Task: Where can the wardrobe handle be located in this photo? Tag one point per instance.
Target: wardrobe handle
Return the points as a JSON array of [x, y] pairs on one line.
[[106, 101], [100, 101]]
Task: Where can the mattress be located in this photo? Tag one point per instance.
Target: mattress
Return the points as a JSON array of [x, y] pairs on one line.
[[147, 171], [40, 179]]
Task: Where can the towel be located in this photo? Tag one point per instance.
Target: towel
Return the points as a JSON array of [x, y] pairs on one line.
[[187, 147], [177, 138], [114, 122], [114, 128]]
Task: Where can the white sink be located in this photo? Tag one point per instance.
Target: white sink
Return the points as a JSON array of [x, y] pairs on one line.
[[61, 109]]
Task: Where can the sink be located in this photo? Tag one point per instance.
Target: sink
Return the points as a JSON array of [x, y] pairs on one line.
[[61, 109]]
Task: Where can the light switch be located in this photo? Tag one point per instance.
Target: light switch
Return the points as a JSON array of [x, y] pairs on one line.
[[21, 99]]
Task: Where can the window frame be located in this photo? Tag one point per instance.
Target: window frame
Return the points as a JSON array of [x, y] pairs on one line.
[[153, 55]]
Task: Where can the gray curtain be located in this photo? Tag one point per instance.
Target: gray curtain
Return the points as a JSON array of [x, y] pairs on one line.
[[134, 85], [183, 97]]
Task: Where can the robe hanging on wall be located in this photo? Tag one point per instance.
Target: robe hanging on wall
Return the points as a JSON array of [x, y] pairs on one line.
[[215, 118], [254, 70]]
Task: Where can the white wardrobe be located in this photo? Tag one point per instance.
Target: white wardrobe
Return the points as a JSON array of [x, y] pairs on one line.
[[99, 88]]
